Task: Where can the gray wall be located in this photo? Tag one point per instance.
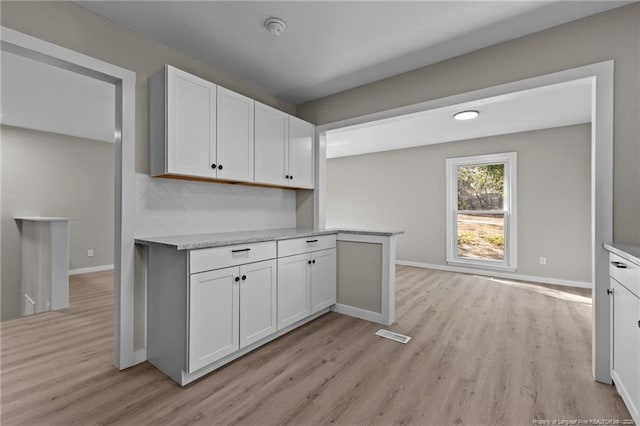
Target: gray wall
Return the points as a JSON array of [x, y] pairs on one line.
[[609, 35], [53, 175], [405, 190]]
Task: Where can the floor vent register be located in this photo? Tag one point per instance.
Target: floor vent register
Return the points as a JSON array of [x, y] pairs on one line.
[[393, 336]]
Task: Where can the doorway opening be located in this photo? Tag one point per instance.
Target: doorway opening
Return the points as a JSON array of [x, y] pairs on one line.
[[599, 106], [121, 83]]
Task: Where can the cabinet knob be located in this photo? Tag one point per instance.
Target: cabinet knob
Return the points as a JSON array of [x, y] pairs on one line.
[[213, 166], [219, 166], [290, 176], [236, 279], [286, 177], [609, 291], [244, 277], [313, 261], [309, 262]]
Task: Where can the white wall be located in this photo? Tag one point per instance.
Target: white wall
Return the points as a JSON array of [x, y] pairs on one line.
[[405, 190], [54, 175]]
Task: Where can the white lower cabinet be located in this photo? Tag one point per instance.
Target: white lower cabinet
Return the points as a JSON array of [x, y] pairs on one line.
[[625, 365], [213, 316], [294, 288], [229, 309], [625, 331], [306, 285], [257, 301], [323, 280], [206, 307]]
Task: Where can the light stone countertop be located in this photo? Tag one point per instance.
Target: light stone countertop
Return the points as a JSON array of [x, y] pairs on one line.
[[626, 251], [199, 241]]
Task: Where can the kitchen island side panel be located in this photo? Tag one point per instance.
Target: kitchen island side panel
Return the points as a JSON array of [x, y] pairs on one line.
[[167, 310], [359, 268]]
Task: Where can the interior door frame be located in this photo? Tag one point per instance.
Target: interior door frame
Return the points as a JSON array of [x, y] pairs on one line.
[[124, 82], [602, 81]]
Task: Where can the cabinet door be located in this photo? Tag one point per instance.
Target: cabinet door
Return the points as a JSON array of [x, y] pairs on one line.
[[234, 136], [294, 284], [257, 301], [323, 279], [300, 153], [191, 124], [271, 138], [626, 346], [213, 316]]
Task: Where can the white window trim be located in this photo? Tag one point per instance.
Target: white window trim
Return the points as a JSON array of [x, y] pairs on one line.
[[509, 159]]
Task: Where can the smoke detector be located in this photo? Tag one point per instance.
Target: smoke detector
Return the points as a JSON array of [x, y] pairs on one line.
[[276, 26]]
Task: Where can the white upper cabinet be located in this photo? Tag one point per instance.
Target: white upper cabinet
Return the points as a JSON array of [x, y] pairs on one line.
[[300, 153], [235, 136], [198, 129], [182, 118], [284, 149], [272, 137]]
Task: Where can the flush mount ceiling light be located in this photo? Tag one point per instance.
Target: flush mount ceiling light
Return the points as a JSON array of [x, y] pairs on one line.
[[466, 115], [276, 26]]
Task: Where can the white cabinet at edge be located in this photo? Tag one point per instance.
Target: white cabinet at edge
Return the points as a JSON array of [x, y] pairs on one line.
[[283, 148], [625, 331], [198, 129]]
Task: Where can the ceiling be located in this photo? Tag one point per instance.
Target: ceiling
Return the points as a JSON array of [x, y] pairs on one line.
[[546, 107], [333, 46], [42, 97]]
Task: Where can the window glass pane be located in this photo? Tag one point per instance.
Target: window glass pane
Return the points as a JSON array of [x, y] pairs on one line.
[[480, 187], [480, 236]]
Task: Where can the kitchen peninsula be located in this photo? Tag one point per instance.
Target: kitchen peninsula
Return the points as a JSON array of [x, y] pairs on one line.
[[212, 298]]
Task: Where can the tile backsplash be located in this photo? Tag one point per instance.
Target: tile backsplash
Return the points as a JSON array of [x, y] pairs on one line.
[[180, 207]]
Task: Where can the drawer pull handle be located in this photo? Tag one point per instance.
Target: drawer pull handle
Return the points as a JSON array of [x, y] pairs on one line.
[[619, 265], [240, 250], [312, 241]]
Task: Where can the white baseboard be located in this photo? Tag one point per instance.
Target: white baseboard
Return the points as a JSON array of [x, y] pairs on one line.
[[99, 268], [358, 313], [139, 356], [497, 274]]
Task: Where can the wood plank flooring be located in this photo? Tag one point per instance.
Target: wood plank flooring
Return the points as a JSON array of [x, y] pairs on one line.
[[483, 352]]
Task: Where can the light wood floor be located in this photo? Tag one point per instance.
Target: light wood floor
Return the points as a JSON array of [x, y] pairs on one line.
[[483, 352]]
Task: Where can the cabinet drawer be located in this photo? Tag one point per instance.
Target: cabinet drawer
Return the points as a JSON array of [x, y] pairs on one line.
[[222, 257], [625, 272], [305, 245]]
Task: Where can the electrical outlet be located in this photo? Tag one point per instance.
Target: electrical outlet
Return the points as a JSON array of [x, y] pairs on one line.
[[543, 260], [90, 252]]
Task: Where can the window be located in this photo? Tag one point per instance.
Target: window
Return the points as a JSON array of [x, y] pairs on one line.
[[481, 207]]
